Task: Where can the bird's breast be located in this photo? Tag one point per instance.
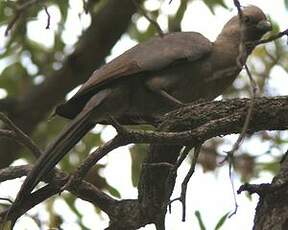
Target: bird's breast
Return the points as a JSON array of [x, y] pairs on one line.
[[220, 79], [202, 80]]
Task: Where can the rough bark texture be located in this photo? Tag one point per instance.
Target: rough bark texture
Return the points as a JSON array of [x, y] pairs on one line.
[[210, 119], [272, 208], [186, 126]]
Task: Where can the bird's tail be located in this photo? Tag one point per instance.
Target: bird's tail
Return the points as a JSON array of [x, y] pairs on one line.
[[71, 134]]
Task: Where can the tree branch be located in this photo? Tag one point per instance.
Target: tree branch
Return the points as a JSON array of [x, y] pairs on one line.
[[189, 125], [56, 180], [272, 208], [20, 9], [20, 136]]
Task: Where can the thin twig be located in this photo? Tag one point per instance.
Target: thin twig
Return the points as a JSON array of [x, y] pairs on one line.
[[48, 18], [183, 156], [12, 22], [230, 154], [172, 175], [6, 199], [20, 140], [184, 185], [272, 37], [152, 21], [254, 91], [25, 139], [233, 187], [249, 113], [84, 190], [92, 159], [18, 12], [187, 179]]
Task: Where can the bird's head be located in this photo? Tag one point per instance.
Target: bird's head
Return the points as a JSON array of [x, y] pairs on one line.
[[253, 26]]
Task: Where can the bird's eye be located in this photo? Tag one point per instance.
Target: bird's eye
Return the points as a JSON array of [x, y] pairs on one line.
[[246, 19]]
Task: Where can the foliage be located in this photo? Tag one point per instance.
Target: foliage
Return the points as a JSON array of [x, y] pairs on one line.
[[219, 224]]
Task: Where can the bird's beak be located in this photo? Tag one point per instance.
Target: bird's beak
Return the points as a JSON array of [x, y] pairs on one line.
[[264, 26]]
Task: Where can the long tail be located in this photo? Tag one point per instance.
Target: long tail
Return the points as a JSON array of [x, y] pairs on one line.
[[71, 134]]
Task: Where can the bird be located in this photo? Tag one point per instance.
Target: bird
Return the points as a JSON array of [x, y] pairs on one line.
[[151, 79]]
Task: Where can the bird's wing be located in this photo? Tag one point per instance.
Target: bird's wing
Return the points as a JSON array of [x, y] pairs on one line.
[[152, 55]]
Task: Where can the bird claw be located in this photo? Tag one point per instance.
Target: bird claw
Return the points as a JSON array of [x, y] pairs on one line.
[[67, 185], [119, 128]]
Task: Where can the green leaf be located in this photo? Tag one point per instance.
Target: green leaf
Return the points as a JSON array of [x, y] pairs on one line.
[[141, 36], [70, 200], [221, 221], [138, 153], [174, 22], [63, 7], [286, 4], [200, 221], [58, 42], [272, 167], [113, 191], [211, 4]]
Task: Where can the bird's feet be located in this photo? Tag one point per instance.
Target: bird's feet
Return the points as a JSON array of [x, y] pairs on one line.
[[69, 183]]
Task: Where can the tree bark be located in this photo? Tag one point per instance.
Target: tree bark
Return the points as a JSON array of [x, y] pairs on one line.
[[187, 126], [272, 208]]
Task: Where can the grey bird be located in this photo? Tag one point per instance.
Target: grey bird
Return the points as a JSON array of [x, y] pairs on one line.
[[150, 79]]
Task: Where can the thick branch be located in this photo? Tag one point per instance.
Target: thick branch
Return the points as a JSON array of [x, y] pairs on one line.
[[212, 119], [186, 126], [272, 208], [198, 123]]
